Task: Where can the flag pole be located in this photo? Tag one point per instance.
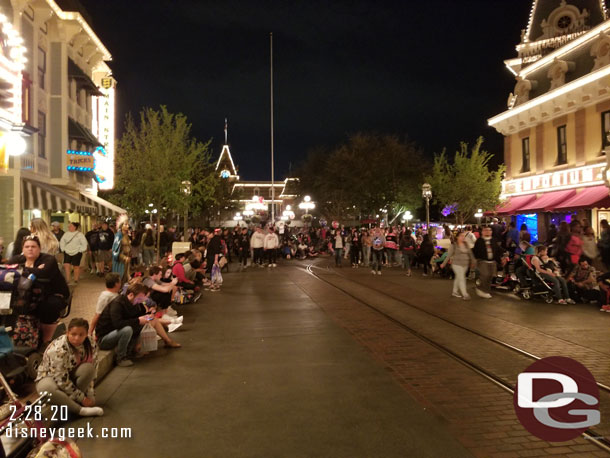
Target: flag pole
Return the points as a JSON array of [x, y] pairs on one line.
[[272, 161]]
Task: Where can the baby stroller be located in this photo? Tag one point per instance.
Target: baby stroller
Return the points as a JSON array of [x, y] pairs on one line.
[[532, 284]]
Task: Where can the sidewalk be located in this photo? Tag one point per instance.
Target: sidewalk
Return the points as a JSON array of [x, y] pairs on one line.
[[263, 372]]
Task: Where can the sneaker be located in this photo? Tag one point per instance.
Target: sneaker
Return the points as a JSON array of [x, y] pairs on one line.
[[571, 301], [424, 275], [467, 297], [562, 302], [482, 294], [379, 272], [373, 272], [604, 308], [456, 294], [124, 362]]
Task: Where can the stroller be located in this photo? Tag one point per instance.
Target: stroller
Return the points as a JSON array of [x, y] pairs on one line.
[[532, 284]]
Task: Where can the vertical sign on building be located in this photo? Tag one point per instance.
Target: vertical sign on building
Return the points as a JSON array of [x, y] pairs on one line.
[[104, 128]]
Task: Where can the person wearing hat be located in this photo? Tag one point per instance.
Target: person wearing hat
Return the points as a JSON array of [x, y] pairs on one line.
[[57, 231]]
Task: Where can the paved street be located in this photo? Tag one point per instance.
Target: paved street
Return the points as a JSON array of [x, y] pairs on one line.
[[273, 366]]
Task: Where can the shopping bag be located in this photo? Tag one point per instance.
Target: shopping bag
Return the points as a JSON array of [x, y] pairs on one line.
[[216, 275], [148, 338]]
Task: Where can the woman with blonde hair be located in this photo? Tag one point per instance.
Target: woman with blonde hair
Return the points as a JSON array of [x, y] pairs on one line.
[[48, 241]]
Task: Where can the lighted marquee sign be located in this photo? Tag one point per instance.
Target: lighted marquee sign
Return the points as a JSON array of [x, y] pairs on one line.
[[590, 175], [103, 128], [86, 161]]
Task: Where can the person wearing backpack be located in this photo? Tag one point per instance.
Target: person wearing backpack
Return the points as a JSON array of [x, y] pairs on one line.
[[148, 246]]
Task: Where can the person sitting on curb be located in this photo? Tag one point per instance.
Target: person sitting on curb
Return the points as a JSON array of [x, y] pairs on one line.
[[68, 369], [113, 286], [121, 322]]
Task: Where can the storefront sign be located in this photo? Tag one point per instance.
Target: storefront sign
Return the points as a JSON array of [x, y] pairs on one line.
[[81, 161], [590, 175]]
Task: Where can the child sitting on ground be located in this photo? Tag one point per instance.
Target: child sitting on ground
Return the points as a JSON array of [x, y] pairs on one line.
[[68, 368]]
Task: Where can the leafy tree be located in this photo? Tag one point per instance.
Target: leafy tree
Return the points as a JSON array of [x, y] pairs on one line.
[[467, 181], [154, 157], [367, 173]]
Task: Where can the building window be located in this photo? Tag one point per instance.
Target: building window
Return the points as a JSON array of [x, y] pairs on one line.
[[42, 134], [42, 66], [605, 131], [26, 94], [525, 155], [562, 146]]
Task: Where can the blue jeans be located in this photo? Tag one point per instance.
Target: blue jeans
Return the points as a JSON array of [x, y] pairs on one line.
[[338, 256], [118, 338], [377, 260]]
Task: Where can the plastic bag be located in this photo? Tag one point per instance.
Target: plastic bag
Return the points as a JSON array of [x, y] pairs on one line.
[[148, 338], [216, 275]]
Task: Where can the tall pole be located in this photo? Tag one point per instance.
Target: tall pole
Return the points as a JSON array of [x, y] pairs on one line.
[[428, 215], [272, 161]]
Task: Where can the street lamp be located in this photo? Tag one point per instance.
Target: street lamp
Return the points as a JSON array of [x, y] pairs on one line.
[[186, 189], [478, 215], [426, 192], [307, 204], [406, 217]]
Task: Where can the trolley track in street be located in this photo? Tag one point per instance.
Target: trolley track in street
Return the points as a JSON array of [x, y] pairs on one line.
[[593, 437]]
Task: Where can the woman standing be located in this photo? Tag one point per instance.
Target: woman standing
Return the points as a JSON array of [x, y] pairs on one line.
[[15, 248], [338, 244], [461, 258], [354, 251], [148, 244], [121, 251], [426, 251], [48, 242], [367, 242], [73, 244], [407, 249]]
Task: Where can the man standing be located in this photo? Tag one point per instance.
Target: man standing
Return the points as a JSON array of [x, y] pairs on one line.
[[56, 229], [92, 242], [103, 258], [214, 250], [242, 242], [488, 253], [271, 244], [256, 243]]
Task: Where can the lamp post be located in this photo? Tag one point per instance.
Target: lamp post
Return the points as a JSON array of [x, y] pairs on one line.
[[237, 218], [406, 217], [478, 215], [186, 189], [307, 204], [426, 192]]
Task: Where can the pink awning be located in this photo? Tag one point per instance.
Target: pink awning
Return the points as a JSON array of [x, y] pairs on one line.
[[514, 203], [547, 201], [593, 197]]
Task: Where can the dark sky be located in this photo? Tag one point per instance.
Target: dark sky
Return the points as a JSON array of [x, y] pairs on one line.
[[430, 69]]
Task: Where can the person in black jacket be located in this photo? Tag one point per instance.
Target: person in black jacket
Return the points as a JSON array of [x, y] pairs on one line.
[[488, 253], [120, 324], [50, 289], [242, 242]]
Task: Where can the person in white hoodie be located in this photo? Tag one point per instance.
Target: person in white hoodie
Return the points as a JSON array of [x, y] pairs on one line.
[[272, 242], [257, 242], [73, 244]]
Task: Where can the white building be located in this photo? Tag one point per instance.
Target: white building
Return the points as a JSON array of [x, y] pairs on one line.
[[64, 108]]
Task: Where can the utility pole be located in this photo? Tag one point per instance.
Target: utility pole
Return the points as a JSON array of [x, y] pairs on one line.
[[272, 161]]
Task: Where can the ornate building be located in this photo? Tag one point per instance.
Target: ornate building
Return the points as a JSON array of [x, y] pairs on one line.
[[255, 192], [557, 124], [62, 103]]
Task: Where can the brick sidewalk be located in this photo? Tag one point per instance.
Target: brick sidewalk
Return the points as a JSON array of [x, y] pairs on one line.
[[85, 296]]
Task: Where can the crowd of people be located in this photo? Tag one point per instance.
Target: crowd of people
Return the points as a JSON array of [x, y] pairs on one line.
[[144, 281]]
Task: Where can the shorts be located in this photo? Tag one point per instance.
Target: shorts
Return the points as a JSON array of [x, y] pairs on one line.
[[103, 256], [73, 260]]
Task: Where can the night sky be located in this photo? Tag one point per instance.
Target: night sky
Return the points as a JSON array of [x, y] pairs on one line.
[[432, 70]]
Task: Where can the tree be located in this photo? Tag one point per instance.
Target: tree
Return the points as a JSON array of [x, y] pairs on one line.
[[367, 173], [467, 181], [154, 157]]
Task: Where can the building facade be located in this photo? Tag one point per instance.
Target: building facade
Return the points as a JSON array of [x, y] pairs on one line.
[[255, 196], [557, 124], [66, 99]]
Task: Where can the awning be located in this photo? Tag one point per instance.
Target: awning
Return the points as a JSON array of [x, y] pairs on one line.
[[102, 207], [514, 204], [79, 132], [593, 197], [547, 201], [74, 71], [35, 194]]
